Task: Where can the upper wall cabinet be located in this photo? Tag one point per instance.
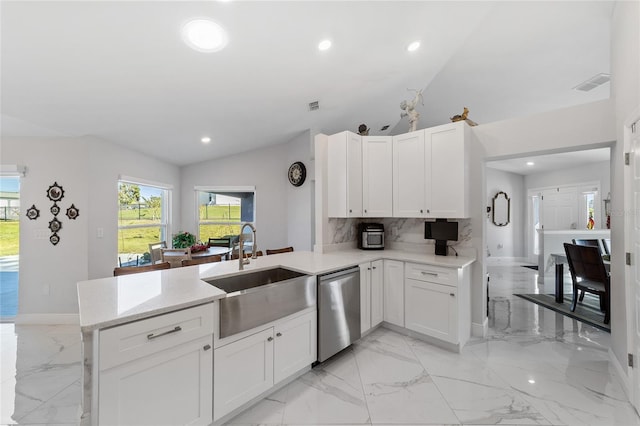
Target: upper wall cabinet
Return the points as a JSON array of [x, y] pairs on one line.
[[344, 175], [377, 178], [448, 174], [431, 172]]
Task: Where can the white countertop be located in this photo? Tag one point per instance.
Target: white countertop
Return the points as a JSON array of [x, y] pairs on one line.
[[111, 301]]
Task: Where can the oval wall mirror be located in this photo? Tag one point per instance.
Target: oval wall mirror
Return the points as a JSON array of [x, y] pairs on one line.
[[501, 209]]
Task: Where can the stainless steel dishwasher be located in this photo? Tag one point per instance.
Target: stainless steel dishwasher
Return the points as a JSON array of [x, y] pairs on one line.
[[338, 311]]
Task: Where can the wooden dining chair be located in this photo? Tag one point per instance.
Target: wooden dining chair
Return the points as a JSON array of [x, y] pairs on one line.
[[202, 259], [280, 250], [246, 254], [155, 250], [176, 256], [606, 244], [589, 274], [592, 242], [126, 270], [219, 242]]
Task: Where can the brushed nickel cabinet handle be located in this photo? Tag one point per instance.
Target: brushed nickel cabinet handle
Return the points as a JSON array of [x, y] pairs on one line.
[[155, 336], [452, 295], [207, 347], [278, 334], [433, 274], [269, 339]]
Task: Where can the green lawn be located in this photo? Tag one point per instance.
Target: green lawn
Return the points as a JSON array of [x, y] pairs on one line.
[[9, 237]]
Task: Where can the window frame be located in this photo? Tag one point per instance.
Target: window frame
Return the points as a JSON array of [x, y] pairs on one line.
[[165, 223], [221, 190]]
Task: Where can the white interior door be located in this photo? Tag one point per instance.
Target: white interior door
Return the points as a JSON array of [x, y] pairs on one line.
[[632, 177], [559, 208]]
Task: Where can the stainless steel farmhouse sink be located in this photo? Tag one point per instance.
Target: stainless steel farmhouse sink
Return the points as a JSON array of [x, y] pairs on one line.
[[256, 298]]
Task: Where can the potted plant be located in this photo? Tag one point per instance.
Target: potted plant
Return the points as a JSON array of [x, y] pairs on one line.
[[183, 240]]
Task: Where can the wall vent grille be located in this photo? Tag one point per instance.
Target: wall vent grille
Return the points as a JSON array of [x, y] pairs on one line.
[[593, 82], [314, 106]]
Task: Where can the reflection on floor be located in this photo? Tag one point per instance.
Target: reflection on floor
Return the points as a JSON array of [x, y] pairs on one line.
[[535, 367]]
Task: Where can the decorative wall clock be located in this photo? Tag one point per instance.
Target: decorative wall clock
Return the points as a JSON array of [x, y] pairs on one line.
[[33, 213], [297, 173]]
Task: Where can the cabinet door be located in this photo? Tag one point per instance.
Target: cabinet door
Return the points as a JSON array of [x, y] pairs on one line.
[[377, 181], [295, 346], [365, 297], [243, 370], [344, 175], [431, 309], [448, 194], [409, 175], [377, 290], [172, 386], [394, 292]]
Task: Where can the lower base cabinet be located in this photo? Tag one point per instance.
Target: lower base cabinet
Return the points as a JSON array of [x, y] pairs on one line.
[[157, 371], [250, 366]]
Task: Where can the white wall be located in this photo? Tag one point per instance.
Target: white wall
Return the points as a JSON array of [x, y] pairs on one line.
[[507, 241], [88, 170], [266, 169], [300, 200]]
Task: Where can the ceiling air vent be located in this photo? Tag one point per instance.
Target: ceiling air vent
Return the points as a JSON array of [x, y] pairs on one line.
[[593, 82], [314, 106], [385, 127]]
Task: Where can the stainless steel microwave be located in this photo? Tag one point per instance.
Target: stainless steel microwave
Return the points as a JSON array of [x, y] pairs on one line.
[[370, 236]]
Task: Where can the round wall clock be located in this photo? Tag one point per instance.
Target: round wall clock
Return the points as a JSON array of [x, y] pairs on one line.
[[297, 173]]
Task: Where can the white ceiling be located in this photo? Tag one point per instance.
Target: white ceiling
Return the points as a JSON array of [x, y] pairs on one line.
[[119, 70], [551, 162]]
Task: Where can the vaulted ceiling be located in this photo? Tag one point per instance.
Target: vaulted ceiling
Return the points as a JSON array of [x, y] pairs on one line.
[[119, 70]]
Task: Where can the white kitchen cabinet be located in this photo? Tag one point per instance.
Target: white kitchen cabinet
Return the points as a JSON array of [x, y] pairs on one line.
[[447, 152], [243, 370], [377, 179], [344, 175], [409, 175], [371, 294], [377, 292], [394, 292], [295, 346], [437, 302], [365, 297], [251, 365], [431, 172], [158, 370]]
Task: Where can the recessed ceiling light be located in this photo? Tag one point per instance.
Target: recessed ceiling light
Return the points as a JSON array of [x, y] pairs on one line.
[[204, 35], [413, 46], [530, 163], [205, 139], [324, 45], [533, 382]]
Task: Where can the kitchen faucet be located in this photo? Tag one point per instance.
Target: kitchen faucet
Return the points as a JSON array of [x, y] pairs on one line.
[[241, 260]]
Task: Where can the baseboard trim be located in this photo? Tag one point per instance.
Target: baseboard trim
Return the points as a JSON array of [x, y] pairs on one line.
[[49, 319], [622, 374], [480, 330]]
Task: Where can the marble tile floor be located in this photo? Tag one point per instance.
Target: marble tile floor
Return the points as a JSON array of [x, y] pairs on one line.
[[534, 367]]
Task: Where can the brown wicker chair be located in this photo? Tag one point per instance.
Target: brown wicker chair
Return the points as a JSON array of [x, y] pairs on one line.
[[126, 270], [202, 259], [280, 250]]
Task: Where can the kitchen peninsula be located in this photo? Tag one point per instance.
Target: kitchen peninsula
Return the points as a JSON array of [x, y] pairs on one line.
[[143, 331]]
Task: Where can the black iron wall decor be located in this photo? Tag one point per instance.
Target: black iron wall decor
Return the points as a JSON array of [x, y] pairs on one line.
[[55, 193]]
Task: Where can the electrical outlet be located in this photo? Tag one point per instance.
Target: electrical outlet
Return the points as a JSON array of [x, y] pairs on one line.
[[100, 232]]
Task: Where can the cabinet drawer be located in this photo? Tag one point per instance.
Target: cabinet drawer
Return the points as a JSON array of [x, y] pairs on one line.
[[141, 338], [434, 274]]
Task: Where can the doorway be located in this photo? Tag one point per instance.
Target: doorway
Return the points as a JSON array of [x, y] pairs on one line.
[[9, 246]]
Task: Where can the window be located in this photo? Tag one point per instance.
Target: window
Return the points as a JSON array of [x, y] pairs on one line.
[[222, 211], [142, 220]]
